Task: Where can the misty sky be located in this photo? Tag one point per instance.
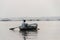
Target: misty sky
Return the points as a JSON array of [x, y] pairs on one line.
[[28, 8]]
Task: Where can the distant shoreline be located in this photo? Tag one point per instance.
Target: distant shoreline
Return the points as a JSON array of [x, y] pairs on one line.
[[32, 19]]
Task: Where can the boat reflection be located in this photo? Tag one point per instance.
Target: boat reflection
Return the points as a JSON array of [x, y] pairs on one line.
[[25, 34]]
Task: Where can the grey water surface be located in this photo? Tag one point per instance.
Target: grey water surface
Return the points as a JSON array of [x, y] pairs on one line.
[[49, 30]]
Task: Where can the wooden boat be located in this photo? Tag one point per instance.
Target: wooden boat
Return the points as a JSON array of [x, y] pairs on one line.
[[29, 27]]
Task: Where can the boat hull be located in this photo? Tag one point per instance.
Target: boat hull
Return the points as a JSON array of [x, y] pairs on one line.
[[30, 27]]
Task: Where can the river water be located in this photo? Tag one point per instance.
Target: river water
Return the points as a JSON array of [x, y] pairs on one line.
[[49, 30]]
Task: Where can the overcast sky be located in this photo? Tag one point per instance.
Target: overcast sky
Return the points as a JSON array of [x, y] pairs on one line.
[[28, 8]]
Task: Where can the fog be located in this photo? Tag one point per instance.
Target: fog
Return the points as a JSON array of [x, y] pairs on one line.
[[29, 8]]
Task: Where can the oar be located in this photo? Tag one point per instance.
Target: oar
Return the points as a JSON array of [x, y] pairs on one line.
[[12, 28]]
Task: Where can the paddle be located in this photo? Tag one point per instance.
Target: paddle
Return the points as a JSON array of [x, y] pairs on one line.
[[12, 28]]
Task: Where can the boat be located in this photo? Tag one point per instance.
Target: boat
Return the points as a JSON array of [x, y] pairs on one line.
[[29, 27]]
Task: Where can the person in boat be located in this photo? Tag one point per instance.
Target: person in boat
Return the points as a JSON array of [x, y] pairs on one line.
[[24, 25]]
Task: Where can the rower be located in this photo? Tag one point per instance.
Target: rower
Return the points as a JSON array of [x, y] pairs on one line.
[[24, 25]]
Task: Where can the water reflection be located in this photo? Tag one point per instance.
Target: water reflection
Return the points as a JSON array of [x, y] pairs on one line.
[[27, 34]]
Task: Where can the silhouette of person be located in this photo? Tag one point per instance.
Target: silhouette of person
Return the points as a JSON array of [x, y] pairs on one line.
[[24, 25]]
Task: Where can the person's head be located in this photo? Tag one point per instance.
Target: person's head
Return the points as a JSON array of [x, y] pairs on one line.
[[24, 20]]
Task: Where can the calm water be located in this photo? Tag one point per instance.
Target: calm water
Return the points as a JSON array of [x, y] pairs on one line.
[[49, 30]]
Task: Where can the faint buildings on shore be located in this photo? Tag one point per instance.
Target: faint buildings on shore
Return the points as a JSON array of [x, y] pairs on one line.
[[32, 19]]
